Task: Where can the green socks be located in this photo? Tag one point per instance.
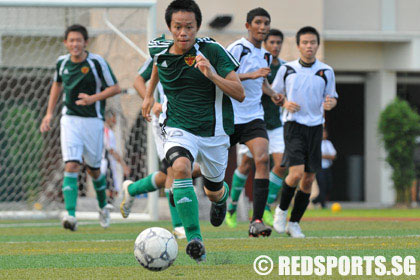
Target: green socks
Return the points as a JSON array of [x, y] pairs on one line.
[[100, 188], [274, 187], [238, 183], [187, 206], [176, 220], [225, 195], [70, 192], [145, 185]]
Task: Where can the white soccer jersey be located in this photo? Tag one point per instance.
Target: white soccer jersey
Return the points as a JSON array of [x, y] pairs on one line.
[[308, 87], [327, 149], [250, 59]]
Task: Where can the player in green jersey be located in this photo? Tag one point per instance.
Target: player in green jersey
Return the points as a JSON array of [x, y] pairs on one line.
[[198, 77], [87, 80]]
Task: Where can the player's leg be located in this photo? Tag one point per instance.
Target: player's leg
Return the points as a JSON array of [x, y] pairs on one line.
[[238, 183], [70, 193], [259, 150], [178, 229], [321, 179]]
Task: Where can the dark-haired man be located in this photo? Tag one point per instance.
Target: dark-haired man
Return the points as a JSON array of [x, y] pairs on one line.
[[198, 77], [309, 86], [87, 80], [272, 43], [250, 128]]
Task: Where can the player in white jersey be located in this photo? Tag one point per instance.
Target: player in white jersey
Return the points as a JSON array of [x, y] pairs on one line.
[[309, 86], [273, 43], [87, 81], [250, 128]]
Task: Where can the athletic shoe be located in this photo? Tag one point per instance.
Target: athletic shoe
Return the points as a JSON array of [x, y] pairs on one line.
[[217, 214], [280, 220], [293, 229], [195, 249], [231, 219], [128, 200], [104, 215], [69, 222], [257, 228], [268, 217], [179, 233]]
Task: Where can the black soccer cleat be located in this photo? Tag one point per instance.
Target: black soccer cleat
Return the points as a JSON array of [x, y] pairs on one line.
[[171, 198], [257, 228], [195, 249], [217, 214]]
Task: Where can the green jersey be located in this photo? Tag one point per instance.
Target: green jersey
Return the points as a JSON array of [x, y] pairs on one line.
[[90, 76], [271, 110], [193, 102]]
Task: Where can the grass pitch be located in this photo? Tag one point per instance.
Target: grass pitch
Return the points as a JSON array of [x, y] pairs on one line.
[[44, 250]]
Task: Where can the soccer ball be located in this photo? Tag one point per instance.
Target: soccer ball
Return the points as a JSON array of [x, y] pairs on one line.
[[155, 248], [336, 207]]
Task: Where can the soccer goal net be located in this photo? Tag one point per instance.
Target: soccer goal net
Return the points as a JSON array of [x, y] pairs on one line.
[[31, 40]]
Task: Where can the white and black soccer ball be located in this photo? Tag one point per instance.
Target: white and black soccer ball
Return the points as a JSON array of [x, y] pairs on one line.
[[155, 248]]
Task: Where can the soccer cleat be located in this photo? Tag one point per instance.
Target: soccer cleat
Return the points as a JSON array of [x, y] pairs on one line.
[[105, 216], [231, 219], [257, 228], [69, 222], [128, 200], [293, 229], [280, 220], [195, 249], [217, 214], [268, 217], [179, 233]]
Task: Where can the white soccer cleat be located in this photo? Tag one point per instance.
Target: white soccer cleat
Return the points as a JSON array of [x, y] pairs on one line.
[[128, 200], [293, 229], [105, 216], [69, 222], [179, 233], [280, 220]]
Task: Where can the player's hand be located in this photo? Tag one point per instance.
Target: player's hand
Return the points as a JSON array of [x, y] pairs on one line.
[[262, 72], [157, 109], [46, 123], [203, 64], [290, 106], [278, 99], [146, 107], [329, 103], [85, 99], [126, 170]]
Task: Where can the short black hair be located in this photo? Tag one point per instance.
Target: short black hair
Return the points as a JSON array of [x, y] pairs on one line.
[[256, 12], [183, 5], [76, 28], [307, 30], [274, 32]]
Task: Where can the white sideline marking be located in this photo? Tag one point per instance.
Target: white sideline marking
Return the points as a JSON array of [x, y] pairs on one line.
[[225, 238]]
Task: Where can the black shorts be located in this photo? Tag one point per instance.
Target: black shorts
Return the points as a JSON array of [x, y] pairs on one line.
[[302, 146], [248, 131]]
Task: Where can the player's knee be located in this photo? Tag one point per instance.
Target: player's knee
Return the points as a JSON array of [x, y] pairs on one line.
[[180, 159], [262, 161], [294, 177], [213, 190], [72, 166]]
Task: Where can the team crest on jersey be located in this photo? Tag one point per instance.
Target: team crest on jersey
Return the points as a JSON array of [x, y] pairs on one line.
[[190, 60], [85, 69]]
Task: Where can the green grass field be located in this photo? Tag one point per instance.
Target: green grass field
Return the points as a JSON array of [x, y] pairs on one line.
[[43, 250]]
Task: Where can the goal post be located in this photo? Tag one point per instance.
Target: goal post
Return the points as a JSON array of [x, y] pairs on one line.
[[31, 34]]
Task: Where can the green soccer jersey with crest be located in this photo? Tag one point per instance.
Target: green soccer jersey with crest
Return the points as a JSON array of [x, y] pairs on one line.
[[272, 111], [90, 76], [193, 102]]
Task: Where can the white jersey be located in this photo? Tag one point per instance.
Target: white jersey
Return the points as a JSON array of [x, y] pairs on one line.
[[250, 59], [308, 87], [327, 149]]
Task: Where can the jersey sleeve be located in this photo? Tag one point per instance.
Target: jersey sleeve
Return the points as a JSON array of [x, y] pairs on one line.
[[146, 69], [221, 59], [235, 51], [279, 84], [57, 76], [107, 76], [158, 45], [330, 87]]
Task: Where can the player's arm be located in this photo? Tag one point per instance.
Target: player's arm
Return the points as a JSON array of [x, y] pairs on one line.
[[275, 97], [330, 93], [54, 95], [140, 86], [329, 103], [149, 100], [119, 159], [86, 99], [231, 84], [262, 72]]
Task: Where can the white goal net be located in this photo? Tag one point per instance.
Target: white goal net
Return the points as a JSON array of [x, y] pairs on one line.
[[31, 39]]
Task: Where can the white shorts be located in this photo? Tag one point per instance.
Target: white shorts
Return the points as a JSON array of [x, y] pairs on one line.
[[158, 136], [275, 143], [210, 152], [82, 139]]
